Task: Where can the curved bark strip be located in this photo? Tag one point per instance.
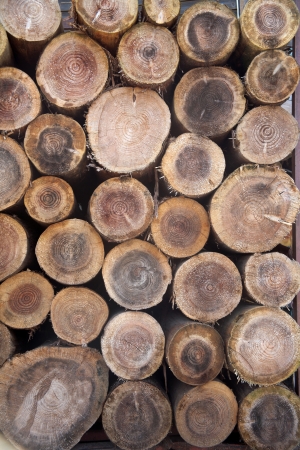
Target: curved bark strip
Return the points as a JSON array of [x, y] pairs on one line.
[[51, 396], [137, 415], [136, 274], [271, 78], [72, 72], [127, 128], [7, 343], [121, 209], [193, 165], [14, 247], [70, 252], [49, 200], [31, 24], [271, 279], [207, 287], [265, 135], [208, 101], [269, 418], [20, 101], [161, 12], [204, 415], [207, 34], [148, 56], [181, 228], [15, 173], [6, 55], [78, 315], [56, 145], [262, 344], [133, 345], [254, 209], [25, 300], [107, 20]]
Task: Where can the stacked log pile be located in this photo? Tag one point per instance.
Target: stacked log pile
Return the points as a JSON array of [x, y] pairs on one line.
[[144, 202]]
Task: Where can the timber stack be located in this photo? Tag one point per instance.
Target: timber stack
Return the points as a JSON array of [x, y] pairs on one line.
[[145, 210]]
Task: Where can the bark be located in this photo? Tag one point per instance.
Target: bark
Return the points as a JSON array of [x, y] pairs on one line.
[[106, 21], [194, 351], [71, 252], [254, 209], [192, 165], [7, 343], [136, 274], [137, 415], [271, 78], [204, 415], [207, 287], [51, 396], [262, 344], [127, 128], [72, 72], [133, 345], [164, 13], [20, 101], [148, 56], [6, 55], [208, 101], [121, 209], [207, 34], [56, 145], [49, 200], [181, 228], [25, 300], [78, 315]]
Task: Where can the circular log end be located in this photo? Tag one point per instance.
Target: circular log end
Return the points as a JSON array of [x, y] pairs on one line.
[[137, 415], [136, 274], [7, 344], [193, 165], [207, 287], [161, 12], [70, 252], [78, 315], [181, 228], [121, 209], [133, 345]]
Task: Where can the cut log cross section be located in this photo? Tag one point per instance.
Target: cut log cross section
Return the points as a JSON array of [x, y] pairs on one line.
[[161, 12]]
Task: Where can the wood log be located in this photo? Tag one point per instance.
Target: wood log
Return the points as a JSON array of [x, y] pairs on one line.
[[271, 279], [78, 315], [192, 165], [207, 287], [269, 418], [207, 34], [25, 300], [7, 343], [127, 128], [137, 415], [271, 78], [30, 26], [71, 252], [56, 145], [262, 344], [15, 247], [148, 56], [15, 173], [51, 396], [208, 101], [265, 135], [164, 13], [121, 209], [49, 200], [181, 228], [254, 208], [6, 55], [194, 351], [204, 415], [133, 345], [72, 72], [136, 274], [106, 21], [20, 101]]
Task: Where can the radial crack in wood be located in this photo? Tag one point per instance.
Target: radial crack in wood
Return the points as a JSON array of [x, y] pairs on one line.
[[161, 12]]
